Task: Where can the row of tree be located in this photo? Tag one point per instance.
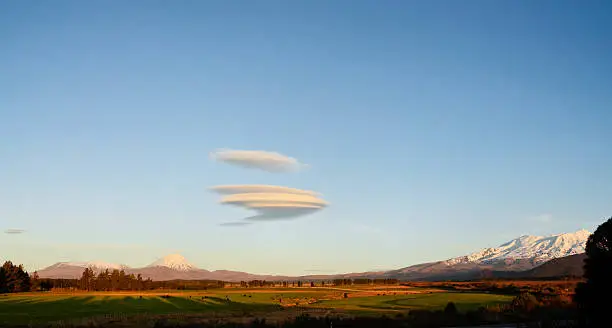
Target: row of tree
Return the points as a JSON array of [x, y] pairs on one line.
[[119, 280], [13, 278], [319, 283], [365, 281], [112, 280]]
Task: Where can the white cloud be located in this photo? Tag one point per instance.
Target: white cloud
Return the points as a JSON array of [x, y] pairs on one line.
[[271, 202], [14, 231], [239, 189], [258, 159]]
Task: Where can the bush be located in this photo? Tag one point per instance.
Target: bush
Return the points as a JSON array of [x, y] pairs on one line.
[[524, 303], [450, 309]]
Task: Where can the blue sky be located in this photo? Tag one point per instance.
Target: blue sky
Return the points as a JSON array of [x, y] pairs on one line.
[[434, 128]]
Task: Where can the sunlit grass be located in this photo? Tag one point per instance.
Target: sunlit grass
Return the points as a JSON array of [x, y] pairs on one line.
[[433, 301], [45, 307], [56, 307]]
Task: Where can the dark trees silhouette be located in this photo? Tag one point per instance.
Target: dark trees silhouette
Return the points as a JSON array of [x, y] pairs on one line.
[[13, 279], [450, 309], [592, 296], [112, 280]]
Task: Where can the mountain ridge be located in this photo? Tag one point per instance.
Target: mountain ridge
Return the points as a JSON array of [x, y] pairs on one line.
[[517, 255], [539, 249]]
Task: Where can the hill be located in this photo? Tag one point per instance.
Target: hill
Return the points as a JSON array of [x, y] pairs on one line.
[[569, 266]]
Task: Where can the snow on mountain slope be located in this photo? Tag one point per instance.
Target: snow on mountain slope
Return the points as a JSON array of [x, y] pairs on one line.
[[535, 248], [96, 265], [175, 262], [74, 270]]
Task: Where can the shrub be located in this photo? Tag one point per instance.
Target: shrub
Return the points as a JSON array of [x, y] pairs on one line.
[[450, 309], [524, 303]]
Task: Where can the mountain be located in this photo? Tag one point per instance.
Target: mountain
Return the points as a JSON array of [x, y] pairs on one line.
[[534, 248], [171, 267], [98, 265], [174, 262], [569, 266], [161, 273], [74, 270], [62, 270], [520, 254], [528, 256]]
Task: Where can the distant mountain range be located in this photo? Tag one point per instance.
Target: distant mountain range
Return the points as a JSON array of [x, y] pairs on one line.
[[171, 267], [517, 255], [537, 249], [526, 256]]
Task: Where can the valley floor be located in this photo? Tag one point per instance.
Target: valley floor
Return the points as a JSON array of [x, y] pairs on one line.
[[229, 303]]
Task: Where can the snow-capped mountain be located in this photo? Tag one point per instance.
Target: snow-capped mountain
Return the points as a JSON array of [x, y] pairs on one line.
[[74, 270], [518, 255], [171, 267], [96, 265], [536, 249], [174, 262]]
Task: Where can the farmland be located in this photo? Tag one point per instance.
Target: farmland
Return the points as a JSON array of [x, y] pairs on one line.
[[78, 307]]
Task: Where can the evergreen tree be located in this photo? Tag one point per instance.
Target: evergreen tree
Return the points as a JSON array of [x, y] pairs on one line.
[[139, 282], [3, 285], [591, 294], [13, 279], [87, 279], [35, 281], [114, 280], [23, 283], [103, 281], [10, 277]]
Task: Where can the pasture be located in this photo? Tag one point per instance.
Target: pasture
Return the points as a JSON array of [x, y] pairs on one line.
[[229, 302]]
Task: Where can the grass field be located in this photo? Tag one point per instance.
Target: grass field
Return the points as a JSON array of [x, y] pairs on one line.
[[434, 301], [48, 307]]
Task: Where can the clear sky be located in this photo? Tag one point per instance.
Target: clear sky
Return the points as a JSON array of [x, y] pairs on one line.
[[433, 128]]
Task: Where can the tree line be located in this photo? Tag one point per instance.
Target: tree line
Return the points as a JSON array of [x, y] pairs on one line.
[[111, 281], [318, 283], [119, 280], [13, 278], [365, 281]]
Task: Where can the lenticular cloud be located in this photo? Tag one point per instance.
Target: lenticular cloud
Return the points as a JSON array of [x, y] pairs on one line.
[[258, 159], [14, 231], [271, 202]]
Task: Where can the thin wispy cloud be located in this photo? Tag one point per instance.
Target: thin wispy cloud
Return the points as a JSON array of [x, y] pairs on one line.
[[258, 159], [14, 231], [271, 202], [234, 224]]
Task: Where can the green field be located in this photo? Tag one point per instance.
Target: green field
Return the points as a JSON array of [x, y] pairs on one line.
[[50, 307], [434, 301]]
